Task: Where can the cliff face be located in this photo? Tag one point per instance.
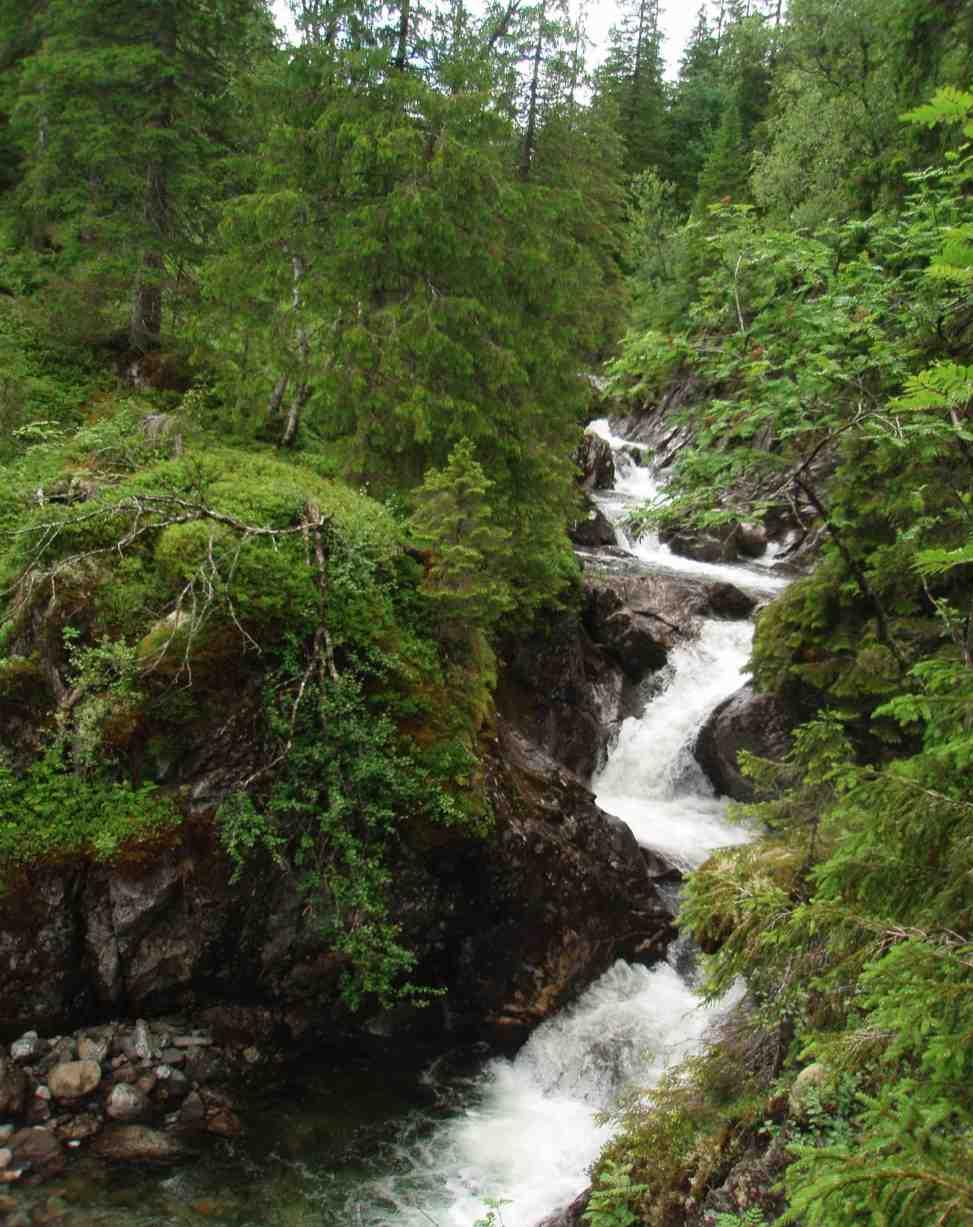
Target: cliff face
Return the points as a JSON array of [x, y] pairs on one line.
[[511, 925]]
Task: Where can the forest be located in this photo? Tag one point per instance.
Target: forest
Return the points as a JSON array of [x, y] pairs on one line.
[[298, 339]]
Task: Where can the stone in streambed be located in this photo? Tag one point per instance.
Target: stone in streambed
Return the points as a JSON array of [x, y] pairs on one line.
[[37, 1150], [52, 1211], [74, 1079], [94, 1048], [76, 1128], [13, 1088], [761, 724], [28, 1048], [126, 1103], [137, 1144]]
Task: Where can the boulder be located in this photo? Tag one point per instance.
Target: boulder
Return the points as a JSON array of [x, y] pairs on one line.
[[74, 1079], [137, 1144], [639, 619], [38, 1151], [597, 464], [565, 694], [572, 1215], [28, 1048], [126, 1102], [563, 892], [94, 1047], [761, 724], [594, 530], [751, 540], [13, 1088], [807, 1088], [39, 968], [77, 1128]]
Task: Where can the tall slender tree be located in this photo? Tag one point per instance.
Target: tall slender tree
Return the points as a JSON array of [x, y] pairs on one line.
[[122, 122], [631, 80]]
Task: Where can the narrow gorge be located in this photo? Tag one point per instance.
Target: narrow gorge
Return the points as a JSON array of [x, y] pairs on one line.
[[617, 698]]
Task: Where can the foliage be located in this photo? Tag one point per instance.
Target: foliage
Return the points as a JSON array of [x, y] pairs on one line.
[[53, 813], [613, 1197], [453, 518], [849, 916]]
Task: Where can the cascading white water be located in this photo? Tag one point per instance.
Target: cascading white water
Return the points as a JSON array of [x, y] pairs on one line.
[[636, 484], [651, 779], [530, 1131]]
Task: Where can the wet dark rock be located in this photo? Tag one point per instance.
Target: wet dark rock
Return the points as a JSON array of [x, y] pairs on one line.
[[192, 1114], [570, 1216], [223, 1122], [761, 724], [564, 893], [39, 927], [593, 530], [38, 1151], [564, 693], [751, 540], [13, 1088], [710, 546], [752, 1184], [639, 619], [38, 1111], [137, 1144], [597, 464]]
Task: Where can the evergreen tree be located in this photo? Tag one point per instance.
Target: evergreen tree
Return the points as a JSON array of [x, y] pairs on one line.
[[121, 125], [631, 80], [695, 109], [470, 559], [745, 49], [438, 293]]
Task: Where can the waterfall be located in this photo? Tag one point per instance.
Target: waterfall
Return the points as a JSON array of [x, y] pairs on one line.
[[529, 1129], [637, 484]]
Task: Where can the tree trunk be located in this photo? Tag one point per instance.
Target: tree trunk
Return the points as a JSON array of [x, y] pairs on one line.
[[402, 48], [530, 134], [145, 327]]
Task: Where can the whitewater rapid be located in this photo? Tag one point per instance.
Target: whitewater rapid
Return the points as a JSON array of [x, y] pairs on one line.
[[529, 1128]]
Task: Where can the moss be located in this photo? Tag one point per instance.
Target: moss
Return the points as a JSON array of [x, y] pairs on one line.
[[51, 813]]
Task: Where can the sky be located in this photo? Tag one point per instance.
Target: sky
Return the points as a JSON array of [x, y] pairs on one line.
[[678, 18]]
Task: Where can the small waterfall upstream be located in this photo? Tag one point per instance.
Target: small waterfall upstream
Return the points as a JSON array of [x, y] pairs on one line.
[[529, 1130]]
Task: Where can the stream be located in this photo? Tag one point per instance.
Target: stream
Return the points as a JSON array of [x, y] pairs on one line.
[[410, 1146]]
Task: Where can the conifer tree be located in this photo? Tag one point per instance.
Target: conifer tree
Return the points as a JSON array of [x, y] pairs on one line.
[[121, 122], [695, 110], [632, 80], [454, 519]]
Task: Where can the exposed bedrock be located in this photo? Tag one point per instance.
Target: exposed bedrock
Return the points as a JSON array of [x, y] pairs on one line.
[[512, 926], [760, 724], [596, 463], [640, 619]]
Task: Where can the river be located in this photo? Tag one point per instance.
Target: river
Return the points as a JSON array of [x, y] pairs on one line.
[[413, 1145]]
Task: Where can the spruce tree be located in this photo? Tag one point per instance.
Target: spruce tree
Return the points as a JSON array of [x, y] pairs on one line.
[[631, 80], [466, 575], [121, 121]]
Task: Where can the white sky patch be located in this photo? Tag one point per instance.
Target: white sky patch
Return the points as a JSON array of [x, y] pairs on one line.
[[678, 19]]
